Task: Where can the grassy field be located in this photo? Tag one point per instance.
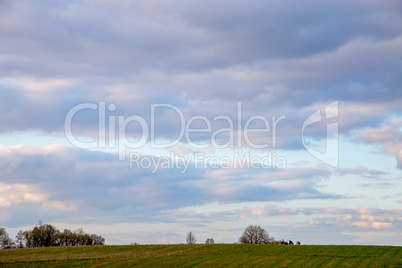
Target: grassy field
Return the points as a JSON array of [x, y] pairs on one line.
[[219, 255]]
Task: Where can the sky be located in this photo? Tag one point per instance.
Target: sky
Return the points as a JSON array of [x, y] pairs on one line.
[[143, 120]]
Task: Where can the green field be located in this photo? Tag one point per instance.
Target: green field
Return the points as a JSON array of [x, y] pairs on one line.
[[218, 255]]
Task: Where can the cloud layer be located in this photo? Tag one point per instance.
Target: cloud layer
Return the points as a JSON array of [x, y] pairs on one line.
[[203, 58]]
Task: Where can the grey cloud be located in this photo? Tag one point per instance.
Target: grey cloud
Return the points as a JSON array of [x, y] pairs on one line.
[[204, 58], [74, 182], [361, 171], [376, 185]]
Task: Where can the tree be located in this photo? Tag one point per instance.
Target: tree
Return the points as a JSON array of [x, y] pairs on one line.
[[66, 238], [50, 235], [45, 235], [97, 240], [19, 239], [5, 240], [81, 239], [209, 241], [191, 238], [254, 234], [28, 238]]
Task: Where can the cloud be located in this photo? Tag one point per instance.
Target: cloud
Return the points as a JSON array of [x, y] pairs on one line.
[[372, 225], [388, 136], [350, 218], [383, 184], [13, 194], [164, 240], [202, 60], [346, 224], [202, 57], [362, 171], [38, 85], [96, 183]]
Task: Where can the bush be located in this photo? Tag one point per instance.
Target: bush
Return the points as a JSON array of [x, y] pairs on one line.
[[209, 241]]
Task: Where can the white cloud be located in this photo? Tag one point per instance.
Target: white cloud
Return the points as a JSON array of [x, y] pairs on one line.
[[35, 85], [13, 194]]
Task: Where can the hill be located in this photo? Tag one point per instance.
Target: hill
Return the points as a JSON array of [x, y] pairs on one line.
[[228, 255]]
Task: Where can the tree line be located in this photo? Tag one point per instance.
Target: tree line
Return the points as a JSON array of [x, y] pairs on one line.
[[46, 235], [253, 234]]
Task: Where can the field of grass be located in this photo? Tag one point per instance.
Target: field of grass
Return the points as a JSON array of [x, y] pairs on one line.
[[218, 255]]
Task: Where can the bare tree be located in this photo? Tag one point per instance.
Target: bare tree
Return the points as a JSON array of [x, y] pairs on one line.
[[19, 239], [254, 234], [191, 238]]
